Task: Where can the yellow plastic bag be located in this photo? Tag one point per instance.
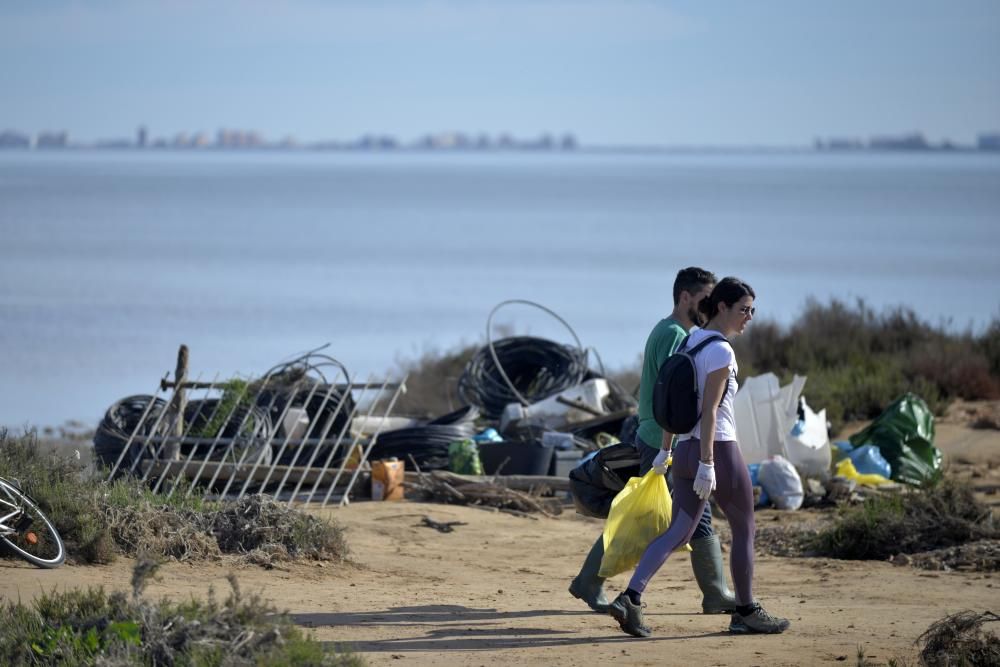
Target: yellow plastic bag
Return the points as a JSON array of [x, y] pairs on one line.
[[846, 469], [639, 514]]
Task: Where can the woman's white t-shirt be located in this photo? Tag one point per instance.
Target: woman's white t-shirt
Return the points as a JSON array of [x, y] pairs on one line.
[[717, 354]]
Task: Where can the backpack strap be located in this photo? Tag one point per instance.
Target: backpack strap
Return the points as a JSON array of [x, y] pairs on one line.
[[697, 348]]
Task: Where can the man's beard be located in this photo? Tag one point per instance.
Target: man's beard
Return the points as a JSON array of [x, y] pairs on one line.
[[696, 316]]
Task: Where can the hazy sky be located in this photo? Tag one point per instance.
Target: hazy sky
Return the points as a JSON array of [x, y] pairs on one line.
[[611, 71]]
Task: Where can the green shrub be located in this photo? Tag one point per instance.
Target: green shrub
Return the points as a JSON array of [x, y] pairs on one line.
[[83, 627], [99, 520], [940, 515]]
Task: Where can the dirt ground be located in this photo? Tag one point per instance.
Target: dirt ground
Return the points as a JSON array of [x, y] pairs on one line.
[[493, 592]]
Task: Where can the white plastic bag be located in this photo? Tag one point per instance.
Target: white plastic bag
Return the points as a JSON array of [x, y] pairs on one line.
[[784, 486], [808, 446]]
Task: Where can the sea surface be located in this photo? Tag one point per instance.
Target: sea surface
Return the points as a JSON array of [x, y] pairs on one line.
[[110, 260]]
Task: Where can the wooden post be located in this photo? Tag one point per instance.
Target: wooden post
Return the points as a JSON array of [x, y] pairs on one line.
[[179, 403]]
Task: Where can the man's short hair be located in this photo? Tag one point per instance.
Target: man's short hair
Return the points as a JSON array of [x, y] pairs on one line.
[[692, 280]]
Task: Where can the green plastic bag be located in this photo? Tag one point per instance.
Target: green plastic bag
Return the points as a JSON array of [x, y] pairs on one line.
[[463, 458], [904, 434], [639, 514]]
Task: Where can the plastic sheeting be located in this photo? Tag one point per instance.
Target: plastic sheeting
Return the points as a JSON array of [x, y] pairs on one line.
[[766, 415], [904, 434], [846, 469]]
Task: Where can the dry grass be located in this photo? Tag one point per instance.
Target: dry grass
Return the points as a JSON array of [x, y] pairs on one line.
[[961, 639]]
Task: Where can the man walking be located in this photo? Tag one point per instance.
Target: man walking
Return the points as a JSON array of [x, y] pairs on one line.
[[690, 287]]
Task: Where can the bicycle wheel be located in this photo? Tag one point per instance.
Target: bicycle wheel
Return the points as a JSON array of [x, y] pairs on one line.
[[26, 530]]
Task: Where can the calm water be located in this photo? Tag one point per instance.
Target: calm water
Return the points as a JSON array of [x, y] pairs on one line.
[[108, 261]]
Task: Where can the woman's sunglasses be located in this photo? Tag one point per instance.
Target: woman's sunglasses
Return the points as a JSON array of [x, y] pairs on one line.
[[747, 310]]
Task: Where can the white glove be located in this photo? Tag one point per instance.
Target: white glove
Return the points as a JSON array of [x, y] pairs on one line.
[[704, 481], [661, 462]]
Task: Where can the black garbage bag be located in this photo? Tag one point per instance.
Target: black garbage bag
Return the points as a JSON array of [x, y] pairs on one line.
[[595, 482], [904, 435]]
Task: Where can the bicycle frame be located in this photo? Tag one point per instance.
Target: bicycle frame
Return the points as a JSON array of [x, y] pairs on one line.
[[10, 509]]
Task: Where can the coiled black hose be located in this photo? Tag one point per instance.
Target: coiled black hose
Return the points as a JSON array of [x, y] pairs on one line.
[[249, 426], [120, 422], [427, 444], [329, 407], [537, 368]]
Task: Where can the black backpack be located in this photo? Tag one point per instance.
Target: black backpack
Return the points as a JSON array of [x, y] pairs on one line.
[[676, 404]]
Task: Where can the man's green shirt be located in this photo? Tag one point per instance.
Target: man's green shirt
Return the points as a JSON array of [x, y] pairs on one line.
[[665, 337]]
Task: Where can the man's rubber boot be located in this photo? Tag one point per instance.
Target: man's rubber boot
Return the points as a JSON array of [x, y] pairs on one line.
[[587, 585], [706, 561]]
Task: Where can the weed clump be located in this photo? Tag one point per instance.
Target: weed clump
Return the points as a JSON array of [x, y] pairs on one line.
[[934, 517], [961, 639], [86, 627]]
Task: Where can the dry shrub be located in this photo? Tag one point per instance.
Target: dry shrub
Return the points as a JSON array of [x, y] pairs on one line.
[[98, 519], [259, 523], [432, 382], [256, 527], [961, 639], [986, 417], [148, 529], [935, 517], [978, 556], [956, 367], [92, 627]]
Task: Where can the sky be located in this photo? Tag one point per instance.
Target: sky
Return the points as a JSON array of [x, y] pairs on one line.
[[612, 72]]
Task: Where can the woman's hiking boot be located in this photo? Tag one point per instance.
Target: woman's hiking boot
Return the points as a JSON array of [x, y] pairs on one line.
[[710, 572], [588, 585], [757, 621], [629, 616]]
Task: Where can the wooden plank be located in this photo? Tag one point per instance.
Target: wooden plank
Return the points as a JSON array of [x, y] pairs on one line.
[[241, 472], [516, 482], [174, 468]]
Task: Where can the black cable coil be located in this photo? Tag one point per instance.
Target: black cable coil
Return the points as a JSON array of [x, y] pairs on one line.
[[248, 426], [537, 368], [120, 422], [329, 407], [427, 444]]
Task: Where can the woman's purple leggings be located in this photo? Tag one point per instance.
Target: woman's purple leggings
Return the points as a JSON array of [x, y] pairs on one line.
[[734, 494]]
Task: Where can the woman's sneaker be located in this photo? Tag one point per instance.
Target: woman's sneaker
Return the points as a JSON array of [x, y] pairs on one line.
[[757, 621], [629, 616]]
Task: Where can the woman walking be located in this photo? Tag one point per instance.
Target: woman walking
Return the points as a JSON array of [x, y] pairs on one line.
[[708, 460]]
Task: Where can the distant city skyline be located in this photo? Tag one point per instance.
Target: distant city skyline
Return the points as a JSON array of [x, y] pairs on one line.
[[229, 138], [610, 72]]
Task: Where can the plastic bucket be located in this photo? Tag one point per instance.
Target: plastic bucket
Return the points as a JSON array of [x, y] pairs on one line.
[[522, 458]]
